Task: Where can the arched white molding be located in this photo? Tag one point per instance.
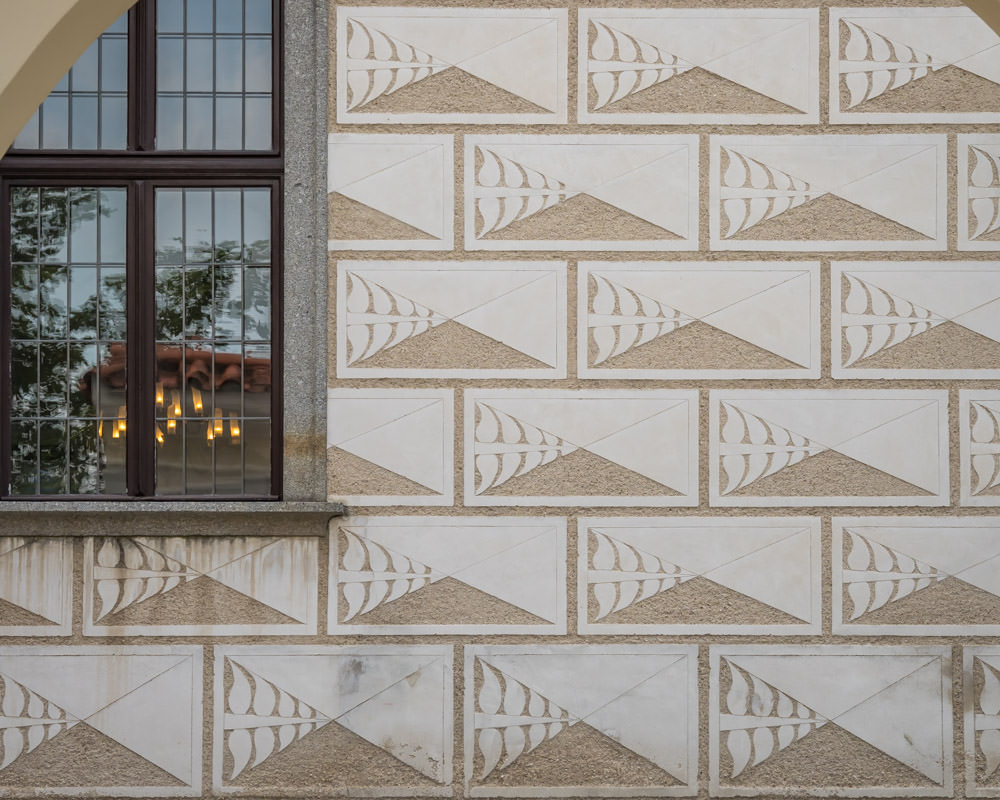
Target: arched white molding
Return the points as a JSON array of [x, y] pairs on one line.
[[39, 41]]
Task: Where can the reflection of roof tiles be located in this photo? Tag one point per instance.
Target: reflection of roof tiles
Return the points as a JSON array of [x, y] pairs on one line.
[[187, 366]]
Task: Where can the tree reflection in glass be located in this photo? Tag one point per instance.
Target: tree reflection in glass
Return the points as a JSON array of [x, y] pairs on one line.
[[213, 359], [68, 300]]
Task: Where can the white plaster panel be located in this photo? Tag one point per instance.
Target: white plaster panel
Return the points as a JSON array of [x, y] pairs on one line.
[[36, 576], [644, 697], [520, 305], [887, 303], [772, 54], [405, 431], [881, 561], [408, 177], [398, 698], [271, 574], [147, 700], [520, 561], [757, 434], [981, 694], [773, 308], [521, 51], [649, 178], [637, 435], [886, 49], [894, 178], [979, 447], [978, 191], [624, 561], [896, 700]]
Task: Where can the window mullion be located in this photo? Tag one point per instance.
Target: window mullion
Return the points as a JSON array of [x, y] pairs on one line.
[[142, 75], [141, 347]]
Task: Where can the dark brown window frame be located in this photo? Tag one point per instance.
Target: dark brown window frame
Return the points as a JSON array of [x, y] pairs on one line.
[[141, 169]]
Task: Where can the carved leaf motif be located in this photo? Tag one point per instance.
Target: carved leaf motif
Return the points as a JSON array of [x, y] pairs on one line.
[[380, 64], [989, 743], [985, 174], [283, 719], [370, 575], [875, 64], [21, 706], [622, 65], [761, 720], [753, 191], [878, 575], [640, 575], [508, 191], [753, 448], [516, 725], [876, 320], [507, 447], [118, 590], [984, 421], [989, 703], [378, 318], [622, 319], [490, 742]]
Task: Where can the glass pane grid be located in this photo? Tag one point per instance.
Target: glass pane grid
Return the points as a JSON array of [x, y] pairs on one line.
[[213, 394], [68, 380], [88, 108], [214, 62]]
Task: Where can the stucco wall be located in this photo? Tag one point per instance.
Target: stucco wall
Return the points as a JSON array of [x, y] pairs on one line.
[[663, 403]]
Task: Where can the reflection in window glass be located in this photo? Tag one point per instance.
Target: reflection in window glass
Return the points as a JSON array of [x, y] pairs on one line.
[[214, 67], [88, 109], [68, 377], [213, 348]]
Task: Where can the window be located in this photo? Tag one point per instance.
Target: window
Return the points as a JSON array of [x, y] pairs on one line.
[[139, 211]]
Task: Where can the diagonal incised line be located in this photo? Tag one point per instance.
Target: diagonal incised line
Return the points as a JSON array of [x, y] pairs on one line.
[[339, 189], [663, 669], [750, 296], [631, 425], [386, 688], [903, 160], [883, 424], [133, 690], [503, 43], [388, 422], [929, 660]]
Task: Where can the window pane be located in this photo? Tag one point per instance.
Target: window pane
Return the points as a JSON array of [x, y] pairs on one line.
[[170, 64], [229, 55], [86, 110], [228, 136], [211, 380], [68, 353], [200, 65], [170, 122], [55, 122], [258, 15], [200, 117], [114, 125], [170, 16], [258, 123], [229, 16], [213, 64], [199, 16], [169, 230], [114, 64], [85, 125], [84, 74], [258, 65], [27, 139]]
